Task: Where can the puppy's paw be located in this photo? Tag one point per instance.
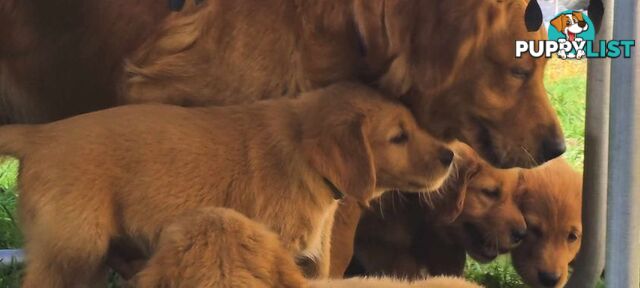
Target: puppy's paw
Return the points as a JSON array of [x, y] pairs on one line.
[[562, 54]]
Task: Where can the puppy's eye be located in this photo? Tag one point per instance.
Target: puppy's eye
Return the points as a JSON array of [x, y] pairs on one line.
[[573, 236], [400, 138], [520, 72], [491, 193]]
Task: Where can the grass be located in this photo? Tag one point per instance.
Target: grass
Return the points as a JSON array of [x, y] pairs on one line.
[[566, 85], [8, 196], [9, 233]]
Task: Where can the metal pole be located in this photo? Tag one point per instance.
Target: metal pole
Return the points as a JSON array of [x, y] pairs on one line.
[[590, 262], [623, 214]]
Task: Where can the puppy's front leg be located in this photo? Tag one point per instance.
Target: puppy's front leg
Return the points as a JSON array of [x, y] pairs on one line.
[[324, 260]]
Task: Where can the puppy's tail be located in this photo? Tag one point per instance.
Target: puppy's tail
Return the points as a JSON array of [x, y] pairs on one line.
[[14, 139]]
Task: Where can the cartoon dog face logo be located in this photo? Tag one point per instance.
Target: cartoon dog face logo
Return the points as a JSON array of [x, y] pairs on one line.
[[570, 25]]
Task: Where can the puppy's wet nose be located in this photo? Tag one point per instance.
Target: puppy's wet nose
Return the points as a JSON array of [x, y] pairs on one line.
[[582, 24], [517, 235], [552, 148], [445, 156], [548, 279]]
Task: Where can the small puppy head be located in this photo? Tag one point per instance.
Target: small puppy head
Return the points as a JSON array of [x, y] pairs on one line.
[[458, 74], [551, 203], [364, 144], [570, 24], [480, 203]]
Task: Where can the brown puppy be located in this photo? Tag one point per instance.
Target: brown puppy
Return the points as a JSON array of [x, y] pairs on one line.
[[450, 62], [124, 173], [552, 208], [219, 247], [404, 236]]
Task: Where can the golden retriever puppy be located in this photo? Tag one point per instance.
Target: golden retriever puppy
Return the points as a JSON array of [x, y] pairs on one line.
[[125, 173], [219, 248], [451, 62], [436, 282], [552, 208], [478, 214]]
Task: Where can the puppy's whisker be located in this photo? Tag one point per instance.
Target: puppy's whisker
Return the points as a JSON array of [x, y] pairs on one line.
[[532, 159]]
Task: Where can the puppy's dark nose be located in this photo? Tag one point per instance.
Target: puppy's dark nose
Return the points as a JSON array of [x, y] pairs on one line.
[[517, 235], [581, 24], [548, 279], [552, 148], [445, 156]]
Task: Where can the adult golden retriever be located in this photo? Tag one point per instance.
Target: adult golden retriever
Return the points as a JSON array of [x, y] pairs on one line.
[[221, 248], [451, 62], [402, 235], [552, 207], [126, 172]]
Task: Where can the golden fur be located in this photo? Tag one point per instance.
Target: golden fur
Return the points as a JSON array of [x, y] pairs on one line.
[[124, 173], [450, 62], [221, 248], [343, 236], [66, 58], [552, 206], [404, 235], [436, 282]]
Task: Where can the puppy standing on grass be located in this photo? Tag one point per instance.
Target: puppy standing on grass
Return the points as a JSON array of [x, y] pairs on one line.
[[552, 206], [125, 173], [221, 248]]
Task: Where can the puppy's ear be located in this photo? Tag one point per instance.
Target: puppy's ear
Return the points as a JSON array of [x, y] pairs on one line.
[[385, 28], [455, 189], [343, 156], [559, 23], [578, 15]]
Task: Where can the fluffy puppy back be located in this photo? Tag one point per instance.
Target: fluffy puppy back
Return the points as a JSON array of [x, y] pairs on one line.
[[219, 248]]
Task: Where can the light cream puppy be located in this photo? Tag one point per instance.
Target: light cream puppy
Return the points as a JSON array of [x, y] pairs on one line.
[[436, 282]]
